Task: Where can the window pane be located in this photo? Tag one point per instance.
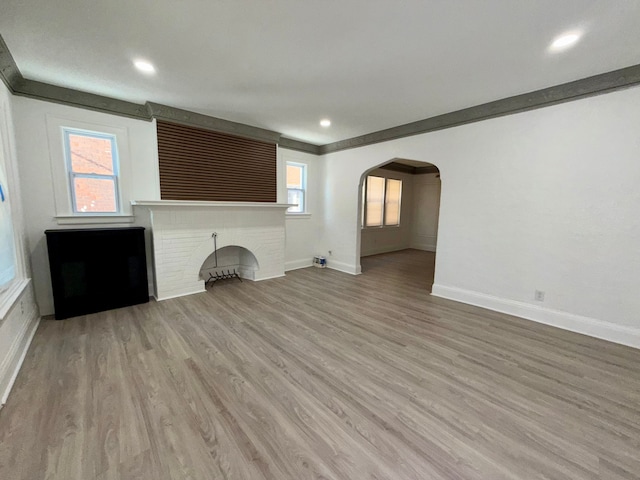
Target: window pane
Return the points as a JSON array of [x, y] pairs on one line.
[[95, 195], [392, 202], [294, 176], [91, 154], [7, 252], [375, 200], [364, 203], [296, 196]]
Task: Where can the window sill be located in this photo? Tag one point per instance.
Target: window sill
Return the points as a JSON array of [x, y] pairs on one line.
[[10, 297], [298, 215], [93, 219], [380, 227]]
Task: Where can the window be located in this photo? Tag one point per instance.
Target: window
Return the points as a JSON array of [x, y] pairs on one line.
[[392, 201], [12, 273], [296, 186], [90, 160], [7, 251], [381, 199], [92, 164]]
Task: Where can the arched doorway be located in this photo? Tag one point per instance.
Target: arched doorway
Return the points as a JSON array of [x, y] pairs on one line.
[[398, 214]]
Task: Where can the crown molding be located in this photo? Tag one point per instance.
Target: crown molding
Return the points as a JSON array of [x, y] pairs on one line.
[[185, 117], [77, 98], [566, 92], [9, 71], [586, 87], [20, 86], [305, 147], [401, 167], [426, 170]]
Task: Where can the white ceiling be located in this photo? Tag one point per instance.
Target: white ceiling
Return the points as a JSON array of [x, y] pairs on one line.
[[285, 64]]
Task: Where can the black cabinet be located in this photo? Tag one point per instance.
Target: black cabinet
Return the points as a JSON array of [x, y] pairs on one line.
[[97, 269]]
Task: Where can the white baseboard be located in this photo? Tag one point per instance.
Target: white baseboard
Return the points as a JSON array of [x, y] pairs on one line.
[[13, 361], [576, 323], [343, 267], [270, 278], [378, 251], [178, 295], [296, 264], [428, 247]]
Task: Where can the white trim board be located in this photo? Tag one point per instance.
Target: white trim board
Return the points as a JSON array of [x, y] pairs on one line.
[[13, 361], [269, 278], [427, 247], [15, 291], [567, 321], [296, 264], [343, 267], [176, 295], [380, 250]]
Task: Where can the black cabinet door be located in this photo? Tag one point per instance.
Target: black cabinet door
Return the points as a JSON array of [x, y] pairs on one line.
[[97, 269]]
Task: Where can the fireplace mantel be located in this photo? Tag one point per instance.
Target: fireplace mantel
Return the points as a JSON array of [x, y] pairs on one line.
[[188, 203], [180, 239]]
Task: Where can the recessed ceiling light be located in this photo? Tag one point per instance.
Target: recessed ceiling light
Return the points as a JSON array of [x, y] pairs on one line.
[[144, 66], [325, 122], [565, 41]]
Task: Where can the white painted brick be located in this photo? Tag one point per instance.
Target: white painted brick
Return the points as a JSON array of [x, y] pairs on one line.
[[182, 243]]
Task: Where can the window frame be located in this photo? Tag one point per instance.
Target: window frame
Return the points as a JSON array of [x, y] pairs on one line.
[[11, 291], [88, 122], [66, 132], [386, 202], [363, 220], [303, 190]]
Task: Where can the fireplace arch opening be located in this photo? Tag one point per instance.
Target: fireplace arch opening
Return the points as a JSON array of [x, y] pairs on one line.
[[230, 258]]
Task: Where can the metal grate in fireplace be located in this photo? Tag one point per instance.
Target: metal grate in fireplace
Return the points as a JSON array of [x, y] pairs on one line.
[[227, 263]]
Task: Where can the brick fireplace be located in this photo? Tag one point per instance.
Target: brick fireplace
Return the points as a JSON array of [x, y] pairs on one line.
[[180, 241]]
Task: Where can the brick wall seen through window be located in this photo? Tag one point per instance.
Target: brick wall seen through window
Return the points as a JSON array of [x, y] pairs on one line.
[[92, 163]]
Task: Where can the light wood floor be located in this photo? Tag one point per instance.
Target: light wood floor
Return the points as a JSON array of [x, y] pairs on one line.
[[321, 375]]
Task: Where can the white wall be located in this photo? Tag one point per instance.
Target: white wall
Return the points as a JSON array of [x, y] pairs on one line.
[[35, 156], [375, 240], [426, 209], [18, 312], [303, 232], [543, 200]]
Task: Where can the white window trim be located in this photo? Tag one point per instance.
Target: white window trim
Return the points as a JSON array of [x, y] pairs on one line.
[[363, 225], [305, 200], [10, 292], [61, 176], [81, 219], [115, 176], [301, 215]]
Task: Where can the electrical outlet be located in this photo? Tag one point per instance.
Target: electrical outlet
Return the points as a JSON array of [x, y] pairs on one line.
[[539, 296], [21, 307]]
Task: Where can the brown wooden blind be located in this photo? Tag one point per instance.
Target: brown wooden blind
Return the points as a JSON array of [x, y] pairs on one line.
[[198, 164]]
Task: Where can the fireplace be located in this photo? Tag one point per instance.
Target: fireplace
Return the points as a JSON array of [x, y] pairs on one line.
[[250, 237], [232, 258]]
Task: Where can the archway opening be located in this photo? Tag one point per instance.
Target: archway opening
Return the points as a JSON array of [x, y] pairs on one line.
[[398, 217]]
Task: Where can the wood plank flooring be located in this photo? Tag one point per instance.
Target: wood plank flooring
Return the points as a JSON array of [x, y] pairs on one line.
[[321, 375]]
